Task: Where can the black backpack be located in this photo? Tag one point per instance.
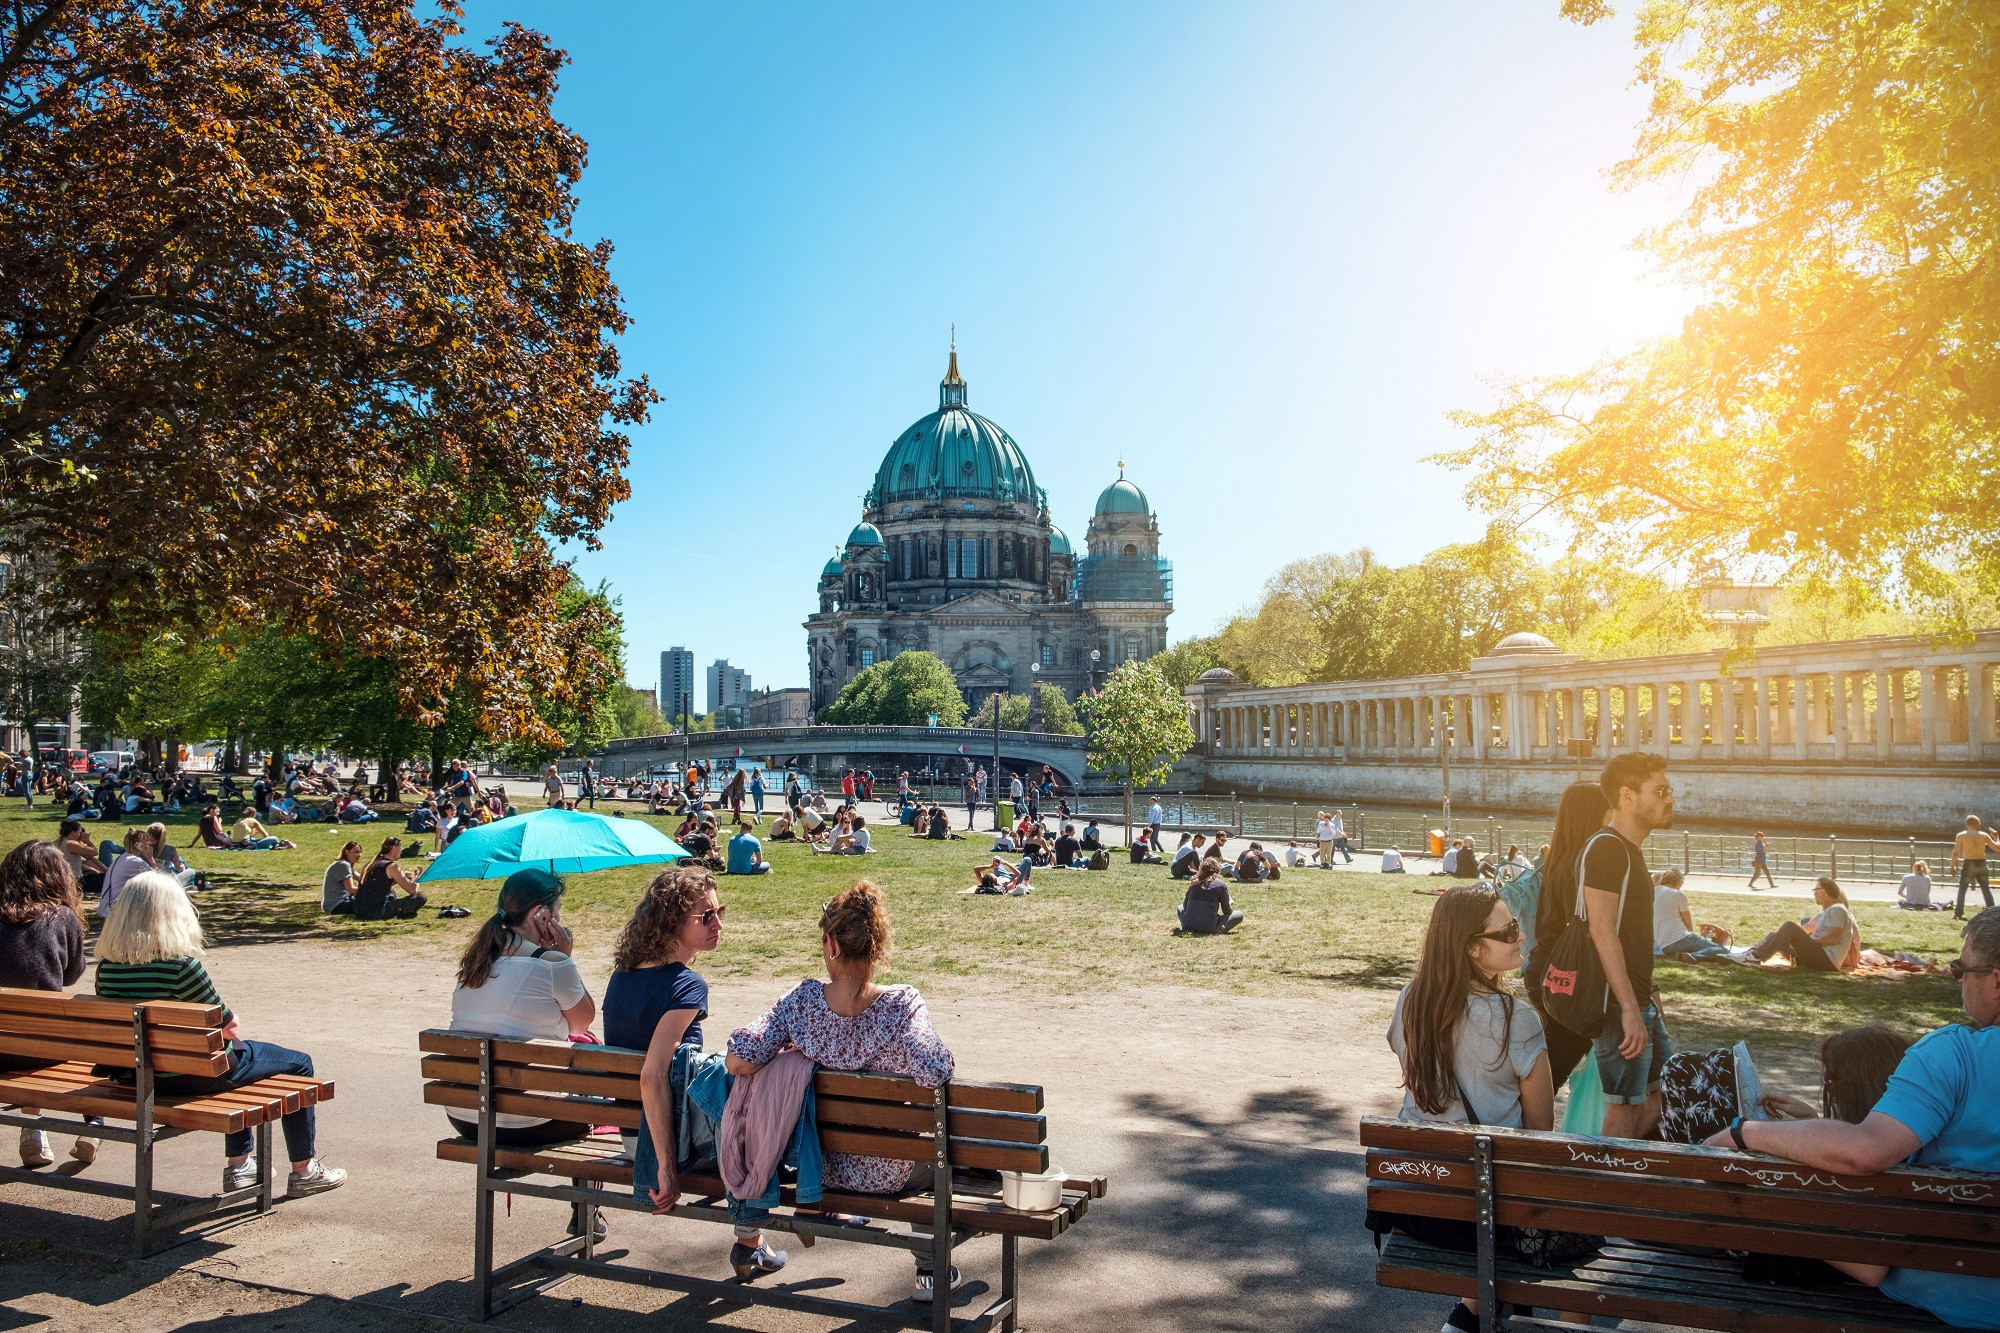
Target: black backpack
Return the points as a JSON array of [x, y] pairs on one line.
[[1574, 991]]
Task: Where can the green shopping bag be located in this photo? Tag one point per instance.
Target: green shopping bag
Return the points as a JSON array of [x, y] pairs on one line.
[[1584, 1113]]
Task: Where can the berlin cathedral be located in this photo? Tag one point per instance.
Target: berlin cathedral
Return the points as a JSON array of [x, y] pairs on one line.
[[956, 554]]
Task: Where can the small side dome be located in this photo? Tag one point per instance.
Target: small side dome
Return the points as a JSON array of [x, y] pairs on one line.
[[1058, 543], [1122, 497], [1218, 676], [1522, 644], [864, 534], [832, 570]]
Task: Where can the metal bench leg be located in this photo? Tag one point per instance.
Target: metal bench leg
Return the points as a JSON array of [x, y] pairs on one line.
[[1482, 1187], [941, 1209], [1010, 1287], [482, 1212], [264, 1167], [142, 1149]]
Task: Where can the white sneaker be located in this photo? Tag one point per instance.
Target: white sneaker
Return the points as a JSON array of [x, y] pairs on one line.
[[239, 1177], [318, 1179], [35, 1148], [922, 1292], [84, 1150]]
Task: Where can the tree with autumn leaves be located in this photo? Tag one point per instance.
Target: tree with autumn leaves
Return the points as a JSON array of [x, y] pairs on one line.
[[294, 338]]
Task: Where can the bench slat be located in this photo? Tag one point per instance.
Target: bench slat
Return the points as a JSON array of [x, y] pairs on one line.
[[1622, 1289], [1020, 1098], [1637, 1160], [1749, 1204], [1000, 1126], [593, 1159], [74, 1088], [458, 1096], [120, 1057], [532, 1078], [540, 1054], [980, 1153], [197, 1041], [1643, 1224], [174, 1013]]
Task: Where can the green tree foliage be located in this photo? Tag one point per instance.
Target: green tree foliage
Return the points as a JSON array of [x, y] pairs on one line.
[[1058, 714], [633, 714], [1013, 712], [1138, 727], [901, 692], [1186, 660], [1831, 408]]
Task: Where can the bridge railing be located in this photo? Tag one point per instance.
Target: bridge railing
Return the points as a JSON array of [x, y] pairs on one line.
[[917, 738]]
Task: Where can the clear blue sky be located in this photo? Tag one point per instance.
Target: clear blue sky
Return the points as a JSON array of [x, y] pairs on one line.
[[1256, 250]]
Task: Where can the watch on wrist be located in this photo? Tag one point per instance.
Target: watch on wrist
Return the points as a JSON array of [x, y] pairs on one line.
[[1736, 1133]]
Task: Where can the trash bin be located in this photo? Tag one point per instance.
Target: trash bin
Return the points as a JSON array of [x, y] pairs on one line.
[[1005, 813], [1437, 842]]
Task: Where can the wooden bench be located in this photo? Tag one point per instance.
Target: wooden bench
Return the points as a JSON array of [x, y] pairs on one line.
[[78, 1035], [968, 1131], [1681, 1217]]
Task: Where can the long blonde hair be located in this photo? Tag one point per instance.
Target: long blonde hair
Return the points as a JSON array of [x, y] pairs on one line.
[[151, 920]]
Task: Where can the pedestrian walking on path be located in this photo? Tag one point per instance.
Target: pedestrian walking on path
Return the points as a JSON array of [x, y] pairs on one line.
[[1760, 862], [1968, 862]]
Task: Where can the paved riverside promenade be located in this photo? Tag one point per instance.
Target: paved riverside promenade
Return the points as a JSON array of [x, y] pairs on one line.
[[1226, 1125]]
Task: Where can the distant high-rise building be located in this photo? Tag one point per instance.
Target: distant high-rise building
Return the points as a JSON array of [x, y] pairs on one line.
[[728, 687], [676, 683]]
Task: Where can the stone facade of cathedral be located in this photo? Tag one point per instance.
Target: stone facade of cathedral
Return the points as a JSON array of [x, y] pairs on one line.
[[956, 554]]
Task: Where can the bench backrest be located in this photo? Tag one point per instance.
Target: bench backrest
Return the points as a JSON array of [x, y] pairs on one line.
[[992, 1126], [1666, 1193], [45, 1025]]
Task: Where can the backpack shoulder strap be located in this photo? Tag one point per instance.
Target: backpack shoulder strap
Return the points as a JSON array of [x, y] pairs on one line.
[[1619, 922]]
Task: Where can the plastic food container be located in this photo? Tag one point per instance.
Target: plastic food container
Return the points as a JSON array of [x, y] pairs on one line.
[[1032, 1192]]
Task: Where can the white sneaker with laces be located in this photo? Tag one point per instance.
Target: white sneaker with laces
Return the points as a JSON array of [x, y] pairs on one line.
[[239, 1177], [318, 1179], [35, 1148]]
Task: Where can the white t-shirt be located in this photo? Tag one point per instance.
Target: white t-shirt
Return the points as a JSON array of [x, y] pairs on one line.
[[1668, 904], [1915, 890], [1294, 857], [1392, 859], [1491, 1028], [524, 998], [860, 843], [1841, 921]]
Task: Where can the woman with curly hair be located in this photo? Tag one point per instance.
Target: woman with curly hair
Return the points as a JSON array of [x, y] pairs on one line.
[[655, 1002], [41, 948], [849, 1023]]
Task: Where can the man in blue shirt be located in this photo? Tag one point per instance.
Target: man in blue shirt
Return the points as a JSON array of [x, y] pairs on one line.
[[1938, 1111], [746, 854]]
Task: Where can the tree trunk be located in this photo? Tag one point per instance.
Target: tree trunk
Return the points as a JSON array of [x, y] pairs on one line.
[[1128, 808], [229, 757], [437, 758], [173, 752], [387, 773]]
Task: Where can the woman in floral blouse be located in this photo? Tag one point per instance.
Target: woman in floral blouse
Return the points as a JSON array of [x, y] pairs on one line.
[[850, 1023]]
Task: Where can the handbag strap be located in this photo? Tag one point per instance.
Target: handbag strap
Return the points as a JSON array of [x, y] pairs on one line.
[[1619, 923]]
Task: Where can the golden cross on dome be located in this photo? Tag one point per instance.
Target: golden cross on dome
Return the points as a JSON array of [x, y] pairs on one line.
[[954, 335]]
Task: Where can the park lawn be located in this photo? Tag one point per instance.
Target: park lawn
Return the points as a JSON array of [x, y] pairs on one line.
[[1080, 932]]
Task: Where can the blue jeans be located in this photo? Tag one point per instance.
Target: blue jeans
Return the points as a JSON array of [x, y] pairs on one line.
[[1628, 1082], [255, 1060], [1692, 945]]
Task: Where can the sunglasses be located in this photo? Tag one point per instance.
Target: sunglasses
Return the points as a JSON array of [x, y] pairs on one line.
[[711, 916], [1510, 934], [1959, 971]]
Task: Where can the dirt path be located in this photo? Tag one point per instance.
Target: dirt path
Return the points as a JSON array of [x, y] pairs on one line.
[[1225, 1123]]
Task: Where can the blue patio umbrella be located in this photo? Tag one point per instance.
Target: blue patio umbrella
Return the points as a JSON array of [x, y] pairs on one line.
[[562, 841]]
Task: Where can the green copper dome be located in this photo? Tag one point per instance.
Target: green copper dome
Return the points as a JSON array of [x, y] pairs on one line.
[[954, 453], [864, 534], [832, 570], [1058, 542], [1122, 497]]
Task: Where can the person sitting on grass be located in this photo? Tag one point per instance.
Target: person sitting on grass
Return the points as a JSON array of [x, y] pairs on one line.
[[423, 819], [996, 876], [151, 949], [337, 885], [1068, 850], [1003, 841], [284, 810], [135, 860], [1187, 857], [251, 834], [1674, 933], [213, 835], [167, 858], [351, 809], [700, 839], [81, 854], [1829, 942], [1936, 1112], [939, 827], [1093, 837], [781, 829], [1294, 857], [1392, 861], [1206, 910], [849, 1023], [1144, 851], [746, 856], [1914, 893], [377, 899]]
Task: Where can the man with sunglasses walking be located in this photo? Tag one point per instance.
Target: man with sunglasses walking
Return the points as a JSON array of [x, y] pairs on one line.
[[1937, 1111], [1633, 1049]]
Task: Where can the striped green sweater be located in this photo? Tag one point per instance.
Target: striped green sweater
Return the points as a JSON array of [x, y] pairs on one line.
[[164, 979]]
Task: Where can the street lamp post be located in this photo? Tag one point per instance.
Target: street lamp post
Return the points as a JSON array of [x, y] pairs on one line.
[[995, 778], [1034, 696]]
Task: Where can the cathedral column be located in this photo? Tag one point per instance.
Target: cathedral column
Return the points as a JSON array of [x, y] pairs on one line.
[[1977, 705], [1885, 718], [1928, 697]]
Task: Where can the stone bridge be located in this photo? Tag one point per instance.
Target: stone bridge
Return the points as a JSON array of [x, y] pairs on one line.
[[824, 748]]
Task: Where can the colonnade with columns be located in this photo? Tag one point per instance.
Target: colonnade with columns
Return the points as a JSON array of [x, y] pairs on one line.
[[1884, 700]]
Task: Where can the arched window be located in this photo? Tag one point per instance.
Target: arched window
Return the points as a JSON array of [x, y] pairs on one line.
[[1130, 549]]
